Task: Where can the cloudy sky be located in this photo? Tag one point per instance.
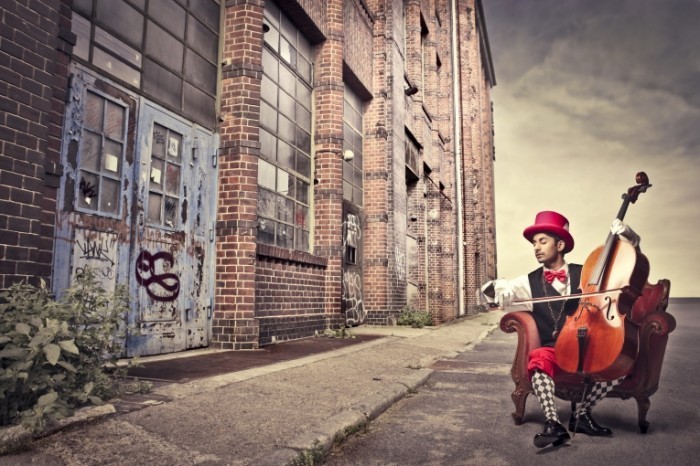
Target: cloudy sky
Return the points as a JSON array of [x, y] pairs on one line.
[[589, 92]]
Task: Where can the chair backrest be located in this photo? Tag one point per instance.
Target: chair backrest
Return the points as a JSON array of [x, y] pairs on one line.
[[654, 298]]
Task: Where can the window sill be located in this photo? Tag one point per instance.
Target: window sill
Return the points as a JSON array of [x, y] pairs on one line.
[[290, 255]]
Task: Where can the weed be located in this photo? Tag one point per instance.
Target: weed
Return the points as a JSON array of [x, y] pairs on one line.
[[53, 353], [415, 318]]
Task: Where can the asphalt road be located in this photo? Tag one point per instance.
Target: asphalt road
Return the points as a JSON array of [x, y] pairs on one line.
[[462, 415]]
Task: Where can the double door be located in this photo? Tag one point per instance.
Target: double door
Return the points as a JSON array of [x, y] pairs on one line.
[[137, 206]]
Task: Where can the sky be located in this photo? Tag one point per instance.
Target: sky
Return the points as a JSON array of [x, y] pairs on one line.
[[588, 93]]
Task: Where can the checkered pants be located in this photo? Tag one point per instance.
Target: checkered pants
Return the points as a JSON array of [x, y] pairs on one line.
[[543, 385], [597, 392]]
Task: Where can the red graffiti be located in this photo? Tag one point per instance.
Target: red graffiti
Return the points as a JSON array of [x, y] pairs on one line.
[[162, 286]]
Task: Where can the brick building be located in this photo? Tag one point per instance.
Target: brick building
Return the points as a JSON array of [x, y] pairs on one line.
[[253, 171]]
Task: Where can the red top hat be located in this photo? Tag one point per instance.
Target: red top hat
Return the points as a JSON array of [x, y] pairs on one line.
[[554, 223]]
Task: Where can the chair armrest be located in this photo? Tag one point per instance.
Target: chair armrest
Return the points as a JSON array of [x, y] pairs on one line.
[[523, 323], [653, 336], [657, 323]]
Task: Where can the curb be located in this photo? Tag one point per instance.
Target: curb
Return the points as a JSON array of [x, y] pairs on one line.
[[313, 446], [14, 437], [316, 443]]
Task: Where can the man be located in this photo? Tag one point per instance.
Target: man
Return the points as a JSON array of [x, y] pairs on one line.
[[551, 241]]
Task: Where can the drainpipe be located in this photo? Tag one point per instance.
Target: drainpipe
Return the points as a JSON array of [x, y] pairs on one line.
[[457, 137]]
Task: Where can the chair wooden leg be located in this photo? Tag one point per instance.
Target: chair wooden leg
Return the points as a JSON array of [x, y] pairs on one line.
[[643, 405], [519, 397]]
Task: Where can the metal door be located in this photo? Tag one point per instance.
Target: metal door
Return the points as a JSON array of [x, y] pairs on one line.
[[137, 205], [172, 253]]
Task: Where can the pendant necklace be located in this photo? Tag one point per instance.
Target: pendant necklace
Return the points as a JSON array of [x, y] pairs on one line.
[[555, 332]]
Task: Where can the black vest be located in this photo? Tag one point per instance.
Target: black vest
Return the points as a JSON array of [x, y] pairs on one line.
[[541, 311]]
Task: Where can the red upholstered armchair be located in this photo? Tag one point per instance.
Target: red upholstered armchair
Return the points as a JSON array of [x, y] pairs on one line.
[[643, 381]]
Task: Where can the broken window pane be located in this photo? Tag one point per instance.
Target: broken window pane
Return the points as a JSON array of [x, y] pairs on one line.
[[266, 203], [170, 210], [88, 190], [266, 231]]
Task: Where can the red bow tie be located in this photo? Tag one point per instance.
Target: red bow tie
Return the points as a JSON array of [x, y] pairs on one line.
[[559, 275]]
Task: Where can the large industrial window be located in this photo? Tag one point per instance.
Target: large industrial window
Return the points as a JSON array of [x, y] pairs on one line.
[[102, 145], [284, 170], [168, 49], [352, 148]]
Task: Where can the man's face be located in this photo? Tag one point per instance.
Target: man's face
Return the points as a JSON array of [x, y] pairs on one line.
[[547, 249]]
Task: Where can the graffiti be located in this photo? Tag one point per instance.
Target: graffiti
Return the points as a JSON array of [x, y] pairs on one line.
[[400, 264], [352, 296], [97, 251], [94, 250], [353, 231], [159, 286], [87, 189], [105, 272]]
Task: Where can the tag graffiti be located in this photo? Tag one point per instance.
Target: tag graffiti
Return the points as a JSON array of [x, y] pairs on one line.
[[95, 250], [160, 286]]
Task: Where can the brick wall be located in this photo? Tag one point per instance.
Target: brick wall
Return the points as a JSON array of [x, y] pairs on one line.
[[35, 45], [289, 300], [264, 292], [477, 160]]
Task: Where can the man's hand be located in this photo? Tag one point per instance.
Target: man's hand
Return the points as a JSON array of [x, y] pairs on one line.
[[504, 295], [625, 232]]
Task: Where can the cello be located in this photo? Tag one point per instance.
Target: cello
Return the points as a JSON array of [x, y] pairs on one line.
[[598, 341]]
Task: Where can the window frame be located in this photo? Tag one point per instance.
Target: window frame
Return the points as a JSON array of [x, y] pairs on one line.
[[100, 173]]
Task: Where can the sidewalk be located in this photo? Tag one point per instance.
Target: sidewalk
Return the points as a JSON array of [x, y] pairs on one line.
[[276, 414]]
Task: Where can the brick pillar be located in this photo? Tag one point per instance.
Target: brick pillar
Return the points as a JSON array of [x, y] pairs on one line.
[[376, 183], [328, 144], [234, 325]]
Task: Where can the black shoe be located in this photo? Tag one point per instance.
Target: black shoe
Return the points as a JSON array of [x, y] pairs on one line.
[[553, 434], [587, 425]]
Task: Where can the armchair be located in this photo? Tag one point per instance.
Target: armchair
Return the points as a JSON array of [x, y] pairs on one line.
[[654, 326]]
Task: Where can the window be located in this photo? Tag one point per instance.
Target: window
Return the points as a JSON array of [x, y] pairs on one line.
[[412, 155], [164, 177], [102, 149], [352, 148], [423, 52], [284, 169], [161, 47]]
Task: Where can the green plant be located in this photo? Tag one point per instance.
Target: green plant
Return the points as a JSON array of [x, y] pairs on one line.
[[415, 318], [53, 353], [310, 457]]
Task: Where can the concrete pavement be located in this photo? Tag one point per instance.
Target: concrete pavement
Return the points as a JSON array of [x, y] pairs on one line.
[[284, 413]]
